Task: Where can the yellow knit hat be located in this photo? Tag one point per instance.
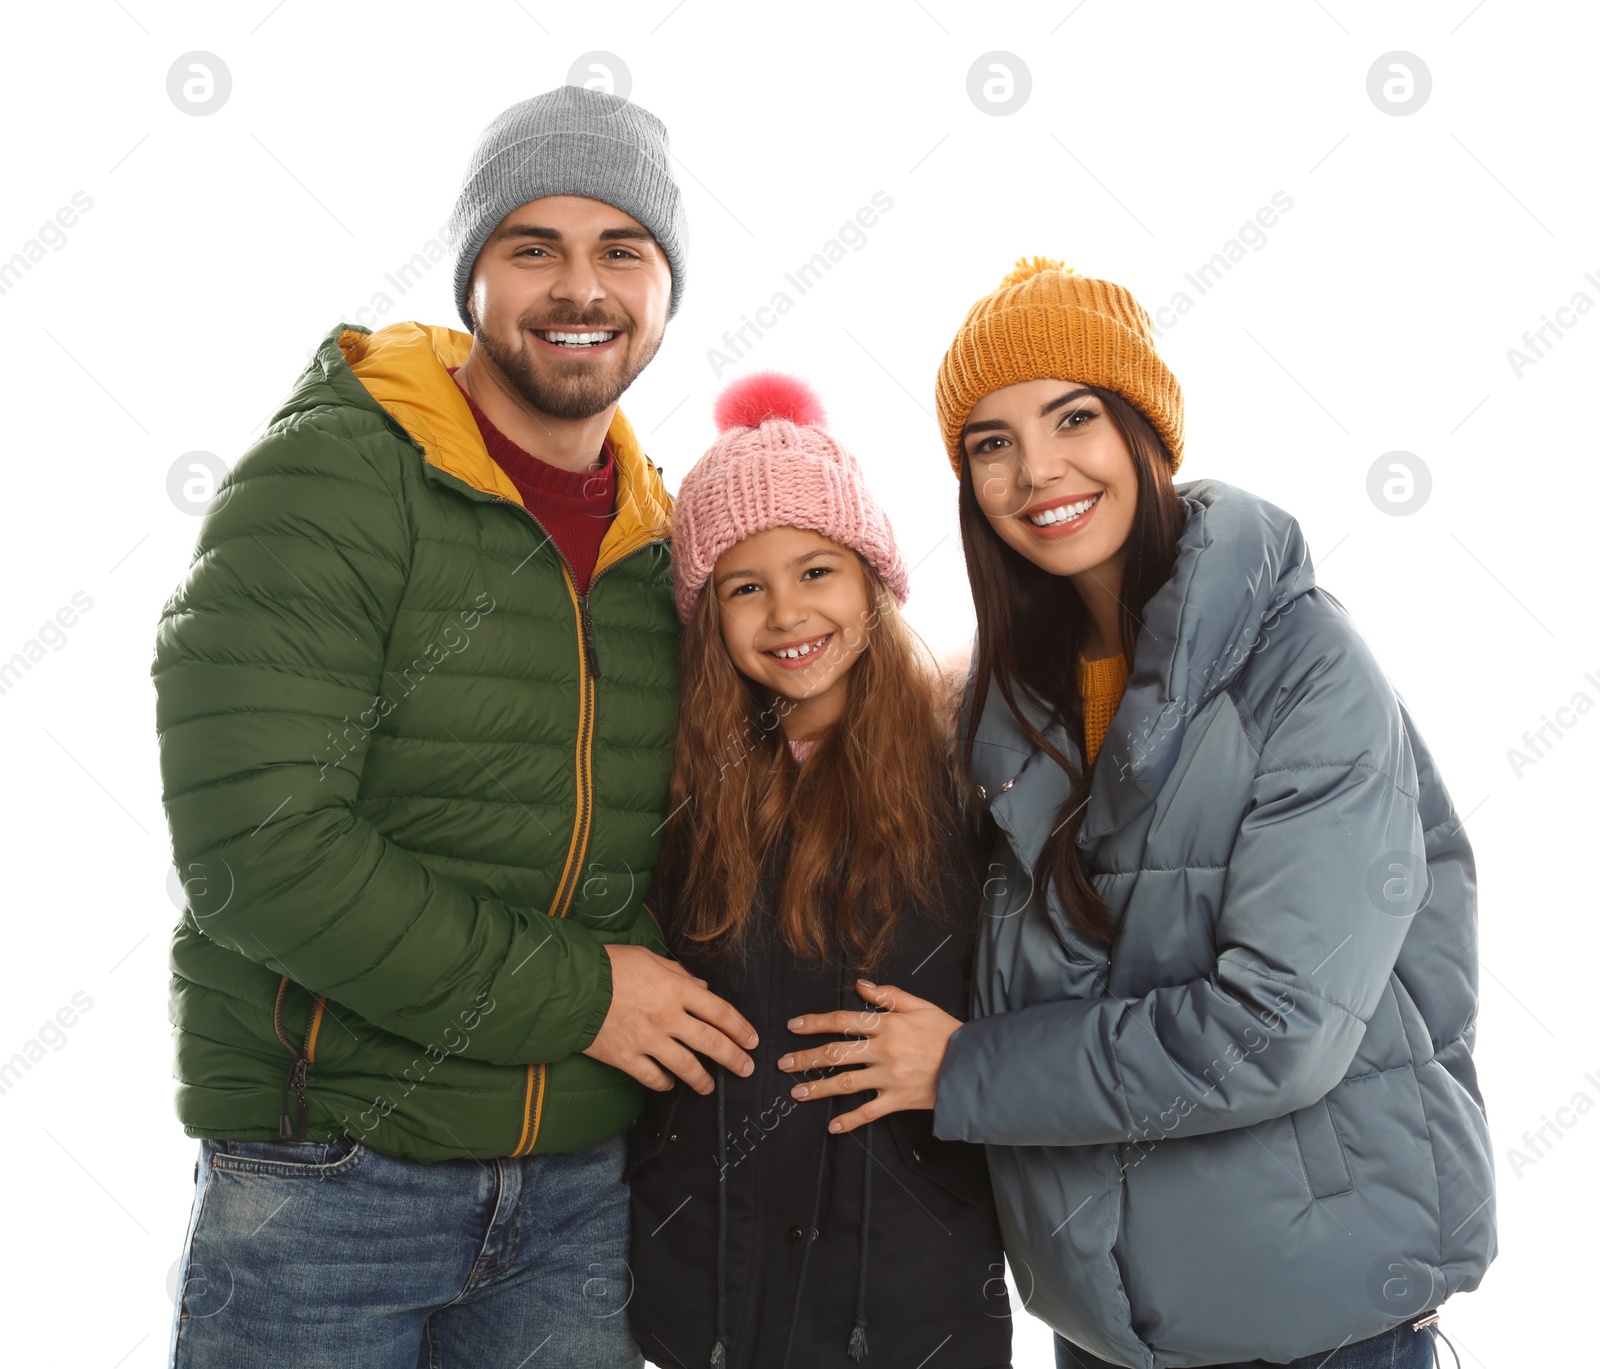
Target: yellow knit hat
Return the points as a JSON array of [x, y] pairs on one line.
[[1046, 321]]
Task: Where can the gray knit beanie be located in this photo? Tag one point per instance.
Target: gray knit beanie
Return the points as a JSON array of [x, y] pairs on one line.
[[569, 141]]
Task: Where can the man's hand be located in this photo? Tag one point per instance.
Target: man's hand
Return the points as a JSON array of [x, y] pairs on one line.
[[897, 1052], [660, 1016]]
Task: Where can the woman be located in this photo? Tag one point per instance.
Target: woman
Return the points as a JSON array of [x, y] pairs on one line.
[[816, 833], [1226, 981]]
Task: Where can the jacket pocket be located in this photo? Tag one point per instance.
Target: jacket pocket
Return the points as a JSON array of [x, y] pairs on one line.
[[961, 1168], [649, 1135], [1322, 1153]]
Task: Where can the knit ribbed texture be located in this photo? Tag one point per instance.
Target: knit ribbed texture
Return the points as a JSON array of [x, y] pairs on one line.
[[569, 141], [802, 747], [1101, 684], [778, 474], [1047, 322]]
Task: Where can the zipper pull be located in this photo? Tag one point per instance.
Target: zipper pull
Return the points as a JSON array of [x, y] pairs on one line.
[[294, 1085], [590, 652]]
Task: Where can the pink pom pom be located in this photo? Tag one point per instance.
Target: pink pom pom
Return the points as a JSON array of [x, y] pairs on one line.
[[750, 401]]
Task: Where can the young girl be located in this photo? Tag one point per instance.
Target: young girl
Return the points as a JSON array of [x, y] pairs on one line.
[[816, 836], [1226, 984]]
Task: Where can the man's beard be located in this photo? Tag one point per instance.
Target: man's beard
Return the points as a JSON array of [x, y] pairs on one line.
[[584, 390]]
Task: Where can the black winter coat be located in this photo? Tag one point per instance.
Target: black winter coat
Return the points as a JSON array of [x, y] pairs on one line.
[[884, 1238]]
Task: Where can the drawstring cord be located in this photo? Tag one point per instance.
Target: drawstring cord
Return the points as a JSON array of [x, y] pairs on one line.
[[1430, 1324], [719, 1350], [858, 1337], [857, 1349]]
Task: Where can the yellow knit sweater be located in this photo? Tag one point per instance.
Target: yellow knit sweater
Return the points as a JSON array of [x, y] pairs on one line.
[[1101, 683]]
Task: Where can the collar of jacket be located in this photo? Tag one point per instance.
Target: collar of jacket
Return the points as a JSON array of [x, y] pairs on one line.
[[1240, 562], [402, 369]]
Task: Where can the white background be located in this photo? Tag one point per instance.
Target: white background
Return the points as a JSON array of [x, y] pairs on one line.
[[219, 250]]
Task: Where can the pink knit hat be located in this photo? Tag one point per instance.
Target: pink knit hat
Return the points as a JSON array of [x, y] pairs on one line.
[[774, 466]]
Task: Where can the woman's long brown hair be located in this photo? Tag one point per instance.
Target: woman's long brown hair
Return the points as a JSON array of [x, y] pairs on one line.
[[1032, 625], [871, 815]]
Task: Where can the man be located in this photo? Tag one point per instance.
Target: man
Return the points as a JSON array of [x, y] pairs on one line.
[[416, 701]]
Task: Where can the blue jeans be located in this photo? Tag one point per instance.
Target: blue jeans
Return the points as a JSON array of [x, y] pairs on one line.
[[329, 1255], [1400, 1348]]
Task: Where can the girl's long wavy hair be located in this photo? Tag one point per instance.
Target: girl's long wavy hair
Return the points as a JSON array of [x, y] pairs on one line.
[[870, 816], [1032, 625]]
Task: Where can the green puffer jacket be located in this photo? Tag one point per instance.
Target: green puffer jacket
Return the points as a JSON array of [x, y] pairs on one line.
[[414, 778]]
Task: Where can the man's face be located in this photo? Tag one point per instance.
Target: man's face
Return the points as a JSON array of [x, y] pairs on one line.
[[570, 298]]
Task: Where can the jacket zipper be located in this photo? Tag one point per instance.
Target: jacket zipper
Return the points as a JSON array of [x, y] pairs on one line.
[[588, 673], [304, 1055], [294, 1085]]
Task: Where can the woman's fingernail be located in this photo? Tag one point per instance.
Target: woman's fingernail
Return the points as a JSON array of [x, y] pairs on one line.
[[835, 1126], [754, 1041], [798, 1091], [747, 1067], [786, 1062], [795, 1023], [867, 982]]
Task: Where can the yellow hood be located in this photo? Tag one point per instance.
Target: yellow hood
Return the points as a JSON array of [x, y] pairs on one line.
[[404, 366]]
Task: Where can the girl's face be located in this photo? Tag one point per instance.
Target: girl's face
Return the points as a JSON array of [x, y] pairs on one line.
[[1053, 476], [793, 607]]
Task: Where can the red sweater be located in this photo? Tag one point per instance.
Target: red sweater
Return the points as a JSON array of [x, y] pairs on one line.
[[574, 507]]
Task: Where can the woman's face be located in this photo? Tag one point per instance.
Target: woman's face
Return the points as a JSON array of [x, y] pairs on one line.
[[793, 608], [1053, 475]]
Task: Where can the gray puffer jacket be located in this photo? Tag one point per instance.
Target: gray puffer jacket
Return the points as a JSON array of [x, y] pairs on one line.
[[1254, 1129]]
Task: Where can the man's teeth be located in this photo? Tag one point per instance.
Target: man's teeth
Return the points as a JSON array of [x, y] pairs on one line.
[[1065, 513], [577, 339], [795, 652]]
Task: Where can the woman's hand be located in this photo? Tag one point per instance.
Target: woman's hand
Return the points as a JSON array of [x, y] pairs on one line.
[[897, 1052]]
